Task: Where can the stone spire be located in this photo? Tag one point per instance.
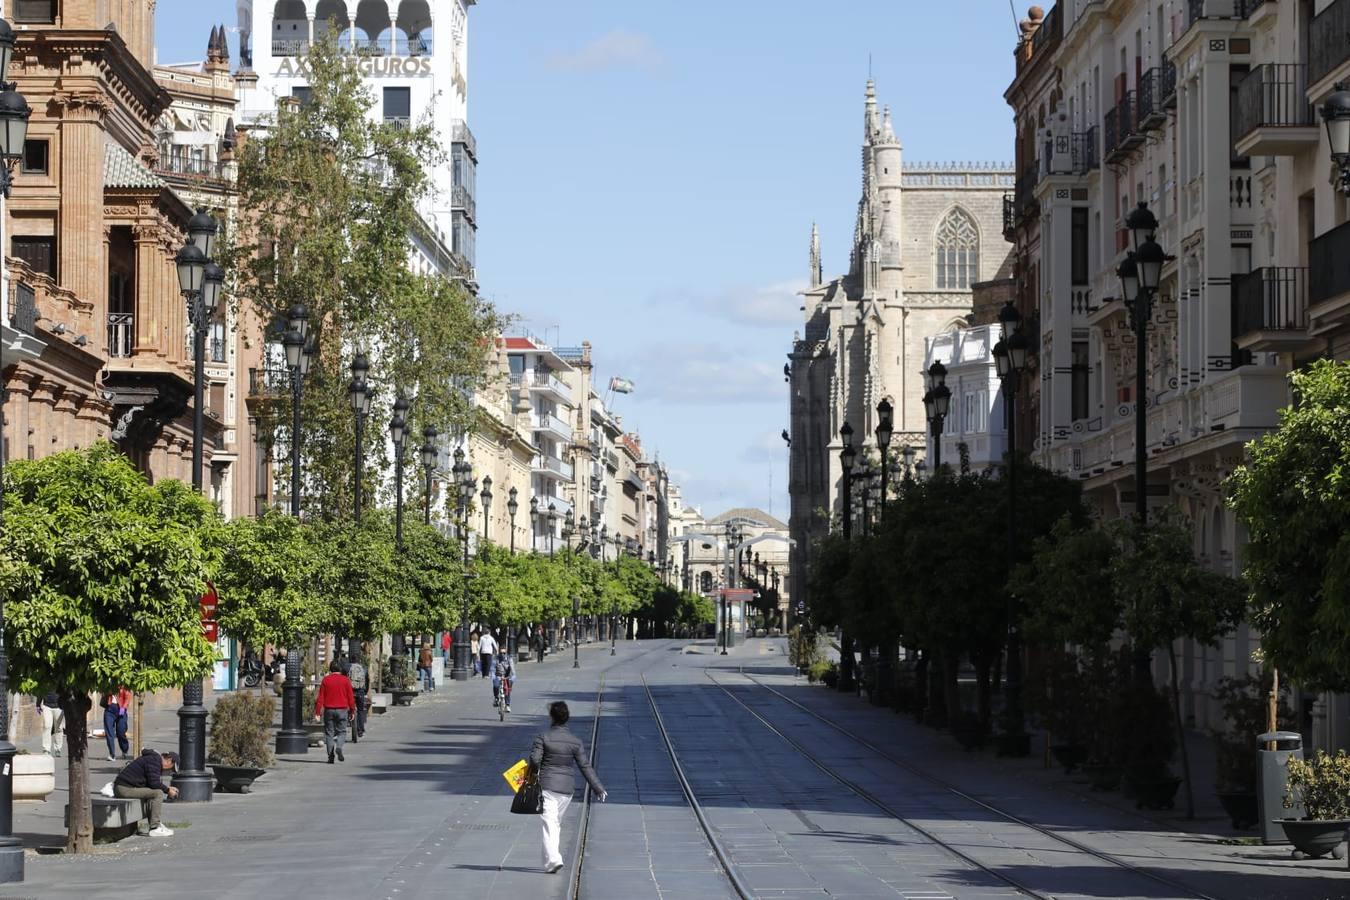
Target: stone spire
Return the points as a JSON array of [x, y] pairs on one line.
[[217, 51], [870, 126], [816, 275]]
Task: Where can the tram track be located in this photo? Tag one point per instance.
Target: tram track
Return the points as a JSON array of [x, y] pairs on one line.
[[1184, 890]]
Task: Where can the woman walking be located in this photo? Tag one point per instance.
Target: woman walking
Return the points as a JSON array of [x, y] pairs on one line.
[[116, 705], [552, 757]]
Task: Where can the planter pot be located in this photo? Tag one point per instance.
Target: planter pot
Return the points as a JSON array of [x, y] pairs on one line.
[[1070, 756], [1102, 777], [34, 776], [1240, 807], [1154, 793], [1316, 837], [404, 698], [235, 779]]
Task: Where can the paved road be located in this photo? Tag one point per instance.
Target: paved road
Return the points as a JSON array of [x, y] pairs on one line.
[[798, 808]]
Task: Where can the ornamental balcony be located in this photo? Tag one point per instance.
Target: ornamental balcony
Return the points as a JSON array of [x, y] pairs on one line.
[[1270, 309], [1328, 49], [1329, 279], [552, 467], [1150, 112], [1273, 116], [551, 425], [552, 385], [1122, 132]]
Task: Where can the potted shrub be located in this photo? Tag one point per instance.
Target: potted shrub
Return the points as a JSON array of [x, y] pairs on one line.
[[1245, 707], [241, 726], [1323, 785], [1149, 744], [399, 681]]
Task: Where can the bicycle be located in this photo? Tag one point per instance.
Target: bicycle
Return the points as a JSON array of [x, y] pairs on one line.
[[504, 706]]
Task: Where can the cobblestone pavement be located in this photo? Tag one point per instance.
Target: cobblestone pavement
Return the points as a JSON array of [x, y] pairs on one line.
[[798, 808]]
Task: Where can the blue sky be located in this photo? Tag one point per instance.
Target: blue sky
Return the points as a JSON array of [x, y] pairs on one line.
[[649, 172]]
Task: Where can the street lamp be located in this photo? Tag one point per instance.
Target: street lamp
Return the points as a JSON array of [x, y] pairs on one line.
[[534, 524], [1336, 116], [486, 496], [398, 433], [512, 506], [461, 475], [885, 428], [14, 113], [937, 403], [552, 526], [907, 453], [1140, 274], [430, 453], [201, 282], [301, 348], [360, 392], [1010, 358], [847, 457]]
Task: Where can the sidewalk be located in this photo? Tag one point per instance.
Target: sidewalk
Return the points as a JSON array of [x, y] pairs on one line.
[[1204, 852], [424, 785]]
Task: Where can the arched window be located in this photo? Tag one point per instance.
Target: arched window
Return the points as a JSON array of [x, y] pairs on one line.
[[705, 582], [958, 251]]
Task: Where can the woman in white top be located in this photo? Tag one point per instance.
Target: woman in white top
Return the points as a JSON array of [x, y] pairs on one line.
[[473, 651]]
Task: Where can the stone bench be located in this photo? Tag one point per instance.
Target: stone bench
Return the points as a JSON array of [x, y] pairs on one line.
[[114, 817]]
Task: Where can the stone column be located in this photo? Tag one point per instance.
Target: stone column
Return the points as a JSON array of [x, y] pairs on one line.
[[81, 257], [148, 315]]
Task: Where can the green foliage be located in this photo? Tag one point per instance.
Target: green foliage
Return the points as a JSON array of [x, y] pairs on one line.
[[1245, 703], [332, 196], [1067, 587], [265, 580], [1293, 496], [102, 572], [241, 726], [396, 675], [819, 668], [429, 597], [695, 610], [803, 647], [360, 582], [1322, 783]]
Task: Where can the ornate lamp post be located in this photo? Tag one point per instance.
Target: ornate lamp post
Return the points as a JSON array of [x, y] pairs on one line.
[[1336, 116], [1010, 358], [512, 507], [201, 282], [552, 526], [534, 524], [485, 495], [1140, 275], [907, 453], [14, 113], [301, 348], [398, 433], [937, 402], [361, 394], [848, 456], [885, 428], [430, 453], [461, 474]]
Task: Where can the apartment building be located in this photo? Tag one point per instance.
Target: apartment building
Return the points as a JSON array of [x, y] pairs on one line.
[[1202, 109], [977, 415], [539, 389]]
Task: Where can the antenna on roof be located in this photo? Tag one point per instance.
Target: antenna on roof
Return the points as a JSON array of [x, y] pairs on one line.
[[1013, 9], [869, 62]]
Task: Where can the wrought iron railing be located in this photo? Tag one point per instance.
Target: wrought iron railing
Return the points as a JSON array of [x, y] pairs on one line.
[[460, 198], [1024, 192], [25, 314], [1083, 146], [1272, 95], [190, 168], [1110, 133], [268, 380], [1270, 299], [1009, 216], [1327, 44], [121, 335], [1329, 265], [1168, 88], [290, 46], [1149, 112]]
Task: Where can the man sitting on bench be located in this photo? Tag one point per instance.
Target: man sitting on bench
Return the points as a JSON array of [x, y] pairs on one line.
[[142, 780]]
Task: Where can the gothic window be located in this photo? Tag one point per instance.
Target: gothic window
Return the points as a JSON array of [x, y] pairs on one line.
[[958, 251]]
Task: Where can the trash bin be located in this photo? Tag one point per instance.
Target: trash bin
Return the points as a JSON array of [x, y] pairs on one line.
[[1271, 791]]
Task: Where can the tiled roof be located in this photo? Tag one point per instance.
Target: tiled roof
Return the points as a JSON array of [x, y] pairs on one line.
[[122, 170]]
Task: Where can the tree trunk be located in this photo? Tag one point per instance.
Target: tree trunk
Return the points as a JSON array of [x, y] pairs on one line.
[[80, 832], [1181, 732], [951, 664], [983, 692]]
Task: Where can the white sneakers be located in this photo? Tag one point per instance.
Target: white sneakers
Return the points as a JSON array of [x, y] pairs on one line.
[[553, 868], [161, 831]]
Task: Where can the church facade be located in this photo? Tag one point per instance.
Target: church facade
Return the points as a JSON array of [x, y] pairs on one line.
[[924, 236]]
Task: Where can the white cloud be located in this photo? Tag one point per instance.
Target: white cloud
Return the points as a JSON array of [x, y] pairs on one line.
[[775, 305], [614, 49], [699, 374]]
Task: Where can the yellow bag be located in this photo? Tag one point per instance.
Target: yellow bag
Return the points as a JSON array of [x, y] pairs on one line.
[[515, 776]]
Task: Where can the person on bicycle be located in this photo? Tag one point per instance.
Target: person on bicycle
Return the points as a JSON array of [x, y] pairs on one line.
[[503, 673]]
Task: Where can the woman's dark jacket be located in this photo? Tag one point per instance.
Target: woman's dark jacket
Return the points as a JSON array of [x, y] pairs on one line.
[[554, 754]]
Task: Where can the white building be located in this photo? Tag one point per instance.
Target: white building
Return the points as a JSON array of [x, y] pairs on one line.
[[413, 55], [538, 388], [977, 415]]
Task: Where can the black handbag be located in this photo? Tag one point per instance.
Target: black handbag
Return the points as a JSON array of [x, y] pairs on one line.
[[529, 800]]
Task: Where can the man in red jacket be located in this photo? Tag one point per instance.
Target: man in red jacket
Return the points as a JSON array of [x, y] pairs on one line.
[[334, 704]]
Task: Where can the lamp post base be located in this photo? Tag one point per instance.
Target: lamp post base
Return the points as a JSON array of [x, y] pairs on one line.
[[194, 783], [11, 848], [460, 671], [292, 739]]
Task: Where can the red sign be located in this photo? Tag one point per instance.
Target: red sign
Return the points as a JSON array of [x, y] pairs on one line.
[[209, 600]]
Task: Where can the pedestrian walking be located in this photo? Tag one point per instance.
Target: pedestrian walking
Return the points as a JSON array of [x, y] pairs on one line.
[[539, 641], [334, 705], [53, 721], [473, 652], [116, 706], [487, 652], [143, 779], [552, 757], [425, 659], [360, 680]]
